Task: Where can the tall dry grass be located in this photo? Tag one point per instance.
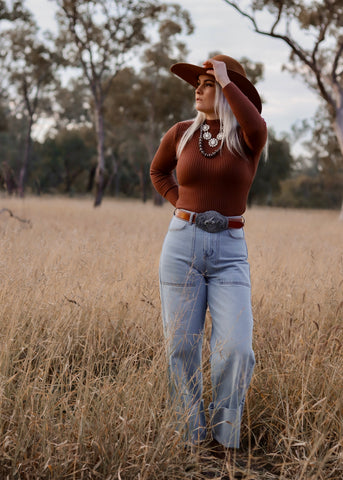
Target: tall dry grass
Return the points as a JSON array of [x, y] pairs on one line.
[[83, 372]]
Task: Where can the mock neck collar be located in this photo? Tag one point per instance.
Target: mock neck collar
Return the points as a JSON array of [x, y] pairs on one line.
[[213, 122]]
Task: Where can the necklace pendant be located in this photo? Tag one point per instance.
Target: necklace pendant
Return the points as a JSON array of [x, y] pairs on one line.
[[213, 142]]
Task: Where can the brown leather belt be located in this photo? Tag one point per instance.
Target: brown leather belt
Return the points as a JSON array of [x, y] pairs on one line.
[[231, 222]]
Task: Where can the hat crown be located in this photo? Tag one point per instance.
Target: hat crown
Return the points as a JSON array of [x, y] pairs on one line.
[[190, 73], [231, 64]]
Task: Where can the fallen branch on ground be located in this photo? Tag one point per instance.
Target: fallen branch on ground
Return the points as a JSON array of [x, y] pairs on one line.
[[15, 216]]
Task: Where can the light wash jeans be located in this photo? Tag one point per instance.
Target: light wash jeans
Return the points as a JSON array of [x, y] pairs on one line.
[[200, 269]]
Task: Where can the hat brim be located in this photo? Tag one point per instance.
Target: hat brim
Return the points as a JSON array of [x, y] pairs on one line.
[[190, 73]]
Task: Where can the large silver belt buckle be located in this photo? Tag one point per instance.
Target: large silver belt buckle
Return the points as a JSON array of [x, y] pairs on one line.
[[211, 221]]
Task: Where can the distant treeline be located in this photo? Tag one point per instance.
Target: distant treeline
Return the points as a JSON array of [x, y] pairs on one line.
[[76, 118]]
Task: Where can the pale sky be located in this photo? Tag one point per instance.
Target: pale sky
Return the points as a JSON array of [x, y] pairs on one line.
[[220, 27]]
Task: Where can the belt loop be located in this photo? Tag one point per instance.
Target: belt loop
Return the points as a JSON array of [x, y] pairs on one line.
[[191, 217]]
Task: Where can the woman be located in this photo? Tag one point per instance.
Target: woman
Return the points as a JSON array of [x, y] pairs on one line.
[[204, 256]]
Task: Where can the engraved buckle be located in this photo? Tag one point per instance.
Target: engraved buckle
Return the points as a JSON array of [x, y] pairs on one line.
[[211, 221]]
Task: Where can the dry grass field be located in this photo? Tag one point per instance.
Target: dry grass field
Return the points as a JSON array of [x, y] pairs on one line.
[[83, 386]]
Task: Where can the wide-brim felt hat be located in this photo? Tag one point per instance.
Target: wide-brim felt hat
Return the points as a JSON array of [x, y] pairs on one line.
[[190, 73]]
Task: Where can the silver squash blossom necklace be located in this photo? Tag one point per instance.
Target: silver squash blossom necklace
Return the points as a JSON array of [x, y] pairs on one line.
[[213, 142]]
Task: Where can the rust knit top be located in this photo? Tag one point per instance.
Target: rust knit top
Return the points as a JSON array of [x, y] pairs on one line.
[[221, 183]]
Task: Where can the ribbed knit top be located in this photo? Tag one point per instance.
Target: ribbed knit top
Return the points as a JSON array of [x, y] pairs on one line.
[[221, 183]]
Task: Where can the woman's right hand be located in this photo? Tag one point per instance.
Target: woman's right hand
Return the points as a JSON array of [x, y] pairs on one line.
[[218, 70]]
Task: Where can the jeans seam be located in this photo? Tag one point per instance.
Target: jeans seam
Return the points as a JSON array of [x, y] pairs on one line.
[[242, 284], [171, 284]]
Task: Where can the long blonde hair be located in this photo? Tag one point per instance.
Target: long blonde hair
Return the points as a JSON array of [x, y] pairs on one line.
[[228, 124]]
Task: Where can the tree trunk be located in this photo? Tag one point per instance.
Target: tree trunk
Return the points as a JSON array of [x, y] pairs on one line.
[[8, 178], [25, 162], [91, 176], [142, 183], [100, 170], [338, 126]]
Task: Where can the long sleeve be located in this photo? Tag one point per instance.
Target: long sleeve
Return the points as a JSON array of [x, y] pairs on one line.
[[221, 183], [253, 126], [162, 166]]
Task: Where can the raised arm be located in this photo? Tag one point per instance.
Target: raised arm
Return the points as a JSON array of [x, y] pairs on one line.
[[253, 126]]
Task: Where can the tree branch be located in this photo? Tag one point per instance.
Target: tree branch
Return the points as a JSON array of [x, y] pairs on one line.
[[275, 24], [72, 19], [334, 73], [304, 56], [15, 216]]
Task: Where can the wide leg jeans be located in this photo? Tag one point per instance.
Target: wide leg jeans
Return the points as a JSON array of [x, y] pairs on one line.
[[199, 269]]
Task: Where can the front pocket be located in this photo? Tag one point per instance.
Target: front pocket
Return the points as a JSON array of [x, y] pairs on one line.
[[236, 233], [177, 224]]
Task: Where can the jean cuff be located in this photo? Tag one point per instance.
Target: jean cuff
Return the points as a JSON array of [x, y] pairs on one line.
[[226, 425]]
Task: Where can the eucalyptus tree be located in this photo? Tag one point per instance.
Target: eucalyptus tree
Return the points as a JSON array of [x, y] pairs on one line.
[[161, 98], [63, 162], [73, 105], [13, 10], [8, 14], [274, 168], [31, 74], [153, 99], [313, 32], [100, 37]]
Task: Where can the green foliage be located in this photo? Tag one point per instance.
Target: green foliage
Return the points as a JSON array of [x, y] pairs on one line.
[[98, 35], [12, 141], [323, 144], [254, 70], [306, 191], [137, 105], [63, 163], [273, 167], [3, 120], [13, 12], [141, 106], [313, 32]]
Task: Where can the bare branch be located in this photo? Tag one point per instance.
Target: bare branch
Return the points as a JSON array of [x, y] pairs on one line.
[[321, 38], [244, 14], [72, 18], [277, 19], [15, 216], [71, 300], [302, 54], [334, 73]]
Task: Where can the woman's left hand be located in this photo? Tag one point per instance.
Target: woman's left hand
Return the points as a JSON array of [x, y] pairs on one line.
[[218, 70]]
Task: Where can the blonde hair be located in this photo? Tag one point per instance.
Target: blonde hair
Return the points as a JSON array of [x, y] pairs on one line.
[[228, 123]]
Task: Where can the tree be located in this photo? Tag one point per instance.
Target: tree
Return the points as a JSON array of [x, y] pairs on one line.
[[31, 74], [141, 107], [63, 163], [272, 169], [98, 36], [72, 107], [7, 14], [160, 97], [18, 11], [318, 56]]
